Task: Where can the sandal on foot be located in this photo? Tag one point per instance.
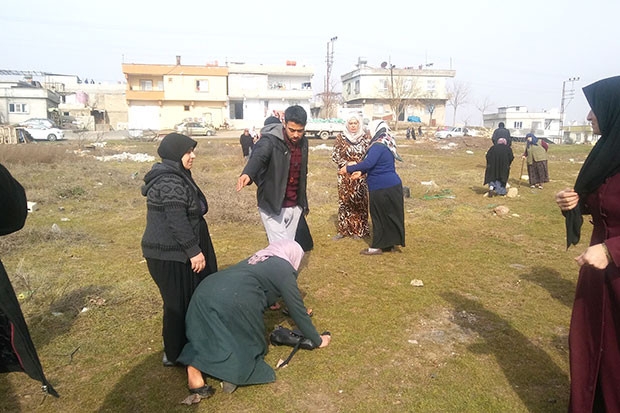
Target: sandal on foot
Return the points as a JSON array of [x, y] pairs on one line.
[[205, 391]]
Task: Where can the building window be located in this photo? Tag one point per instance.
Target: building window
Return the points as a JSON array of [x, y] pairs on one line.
[[160, 85], [379, 110], [357, 87], [146, 84], [202, 85], [408, 86], [431, 85], [186, 108], [306, 86], [518, 125], [383, 84], [349, 88], [18, 108]]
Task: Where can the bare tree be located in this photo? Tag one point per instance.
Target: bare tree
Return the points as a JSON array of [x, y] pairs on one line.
[[399, 91], [483, 105], [458, 93], [331, 100]]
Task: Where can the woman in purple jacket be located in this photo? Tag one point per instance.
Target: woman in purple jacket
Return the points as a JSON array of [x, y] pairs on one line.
[[385, 190], [594, 337]]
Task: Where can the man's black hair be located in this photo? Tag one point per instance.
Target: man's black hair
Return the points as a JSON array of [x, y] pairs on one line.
[[501, 124], [296, 114]]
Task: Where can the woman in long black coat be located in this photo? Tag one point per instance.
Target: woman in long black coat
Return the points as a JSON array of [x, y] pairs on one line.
[[499, 158], [225, 324], [176, 241], [17, 351]]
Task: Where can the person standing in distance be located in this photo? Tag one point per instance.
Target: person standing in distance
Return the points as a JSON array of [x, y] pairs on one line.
[[501, 132], [279, 167], [247, 141]]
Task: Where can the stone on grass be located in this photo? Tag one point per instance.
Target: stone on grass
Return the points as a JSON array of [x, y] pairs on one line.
[[417, 283], [512, 193], [501, 210]]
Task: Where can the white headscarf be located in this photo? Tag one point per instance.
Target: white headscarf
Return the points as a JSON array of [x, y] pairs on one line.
[[354, 137], [381, 133], [287, 249]]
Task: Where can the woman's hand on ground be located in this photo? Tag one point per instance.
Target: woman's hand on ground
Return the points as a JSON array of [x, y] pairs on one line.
[[567, 199], [198, 262], [594, 256], [325, 340]]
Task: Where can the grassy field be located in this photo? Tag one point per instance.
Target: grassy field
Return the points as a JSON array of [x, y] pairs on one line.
[[487, 332]]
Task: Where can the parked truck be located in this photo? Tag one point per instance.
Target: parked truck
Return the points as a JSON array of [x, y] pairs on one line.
[[324, 128]]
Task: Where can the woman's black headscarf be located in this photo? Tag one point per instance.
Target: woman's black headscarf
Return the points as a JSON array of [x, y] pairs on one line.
[[604, 159], [171, 149]]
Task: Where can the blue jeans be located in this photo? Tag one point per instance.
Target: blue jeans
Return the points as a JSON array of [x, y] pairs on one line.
[[498, 187]]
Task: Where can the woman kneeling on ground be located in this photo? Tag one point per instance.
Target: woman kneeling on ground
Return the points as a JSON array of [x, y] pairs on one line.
[[225, 325]]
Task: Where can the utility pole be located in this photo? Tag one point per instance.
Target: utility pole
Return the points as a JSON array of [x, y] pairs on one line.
[[567, 95], [329, 59]]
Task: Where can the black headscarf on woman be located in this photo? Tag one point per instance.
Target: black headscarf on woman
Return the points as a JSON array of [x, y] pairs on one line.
[[604, 159], [171, 149]]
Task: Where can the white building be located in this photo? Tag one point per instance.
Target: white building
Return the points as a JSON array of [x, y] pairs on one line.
[[519, 121], [420, 92], [23, 97], [256, 91]]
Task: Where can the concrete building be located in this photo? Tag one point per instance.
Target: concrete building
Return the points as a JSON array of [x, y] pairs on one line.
[[96, 105], [519, 121], [92, 105], [579, 134], [377, 92], [161, 96], [256, 91], [22, 97]]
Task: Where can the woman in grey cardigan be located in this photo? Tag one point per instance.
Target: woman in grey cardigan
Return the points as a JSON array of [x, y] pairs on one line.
[[176, 242]]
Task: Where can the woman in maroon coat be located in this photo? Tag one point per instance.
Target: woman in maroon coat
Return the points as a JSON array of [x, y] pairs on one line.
[[594, 337]]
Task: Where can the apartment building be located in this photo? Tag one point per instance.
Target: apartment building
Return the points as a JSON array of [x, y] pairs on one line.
[[413, 91], [256, 91], [161, 96], [520, 121]]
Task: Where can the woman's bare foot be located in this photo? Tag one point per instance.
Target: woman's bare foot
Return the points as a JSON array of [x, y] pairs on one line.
[[194, 378]]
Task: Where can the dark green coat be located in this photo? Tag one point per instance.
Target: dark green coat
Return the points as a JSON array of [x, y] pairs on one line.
[[224, 322]]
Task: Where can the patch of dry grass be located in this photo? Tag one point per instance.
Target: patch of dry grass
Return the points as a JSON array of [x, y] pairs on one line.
[[486, 332]]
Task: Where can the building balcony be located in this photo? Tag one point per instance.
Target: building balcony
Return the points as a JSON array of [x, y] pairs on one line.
[[145, 95], [273, 94]]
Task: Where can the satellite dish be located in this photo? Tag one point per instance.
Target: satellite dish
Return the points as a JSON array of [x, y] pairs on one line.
[[383, 65]]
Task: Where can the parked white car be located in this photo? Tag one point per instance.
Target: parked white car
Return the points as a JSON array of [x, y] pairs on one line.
[[38, 123], [456, 131], [41, 133]]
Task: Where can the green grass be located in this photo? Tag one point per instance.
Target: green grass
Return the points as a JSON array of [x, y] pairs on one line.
[[486, 333]]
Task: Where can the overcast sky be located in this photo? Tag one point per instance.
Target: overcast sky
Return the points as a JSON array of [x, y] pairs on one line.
[[508, 52]]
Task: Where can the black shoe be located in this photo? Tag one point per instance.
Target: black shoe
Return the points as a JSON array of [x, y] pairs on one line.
[[205, 391], [166, 362]]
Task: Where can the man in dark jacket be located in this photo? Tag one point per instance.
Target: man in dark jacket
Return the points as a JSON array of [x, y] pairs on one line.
[[17, 352], [501, 132], [278, 166]]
